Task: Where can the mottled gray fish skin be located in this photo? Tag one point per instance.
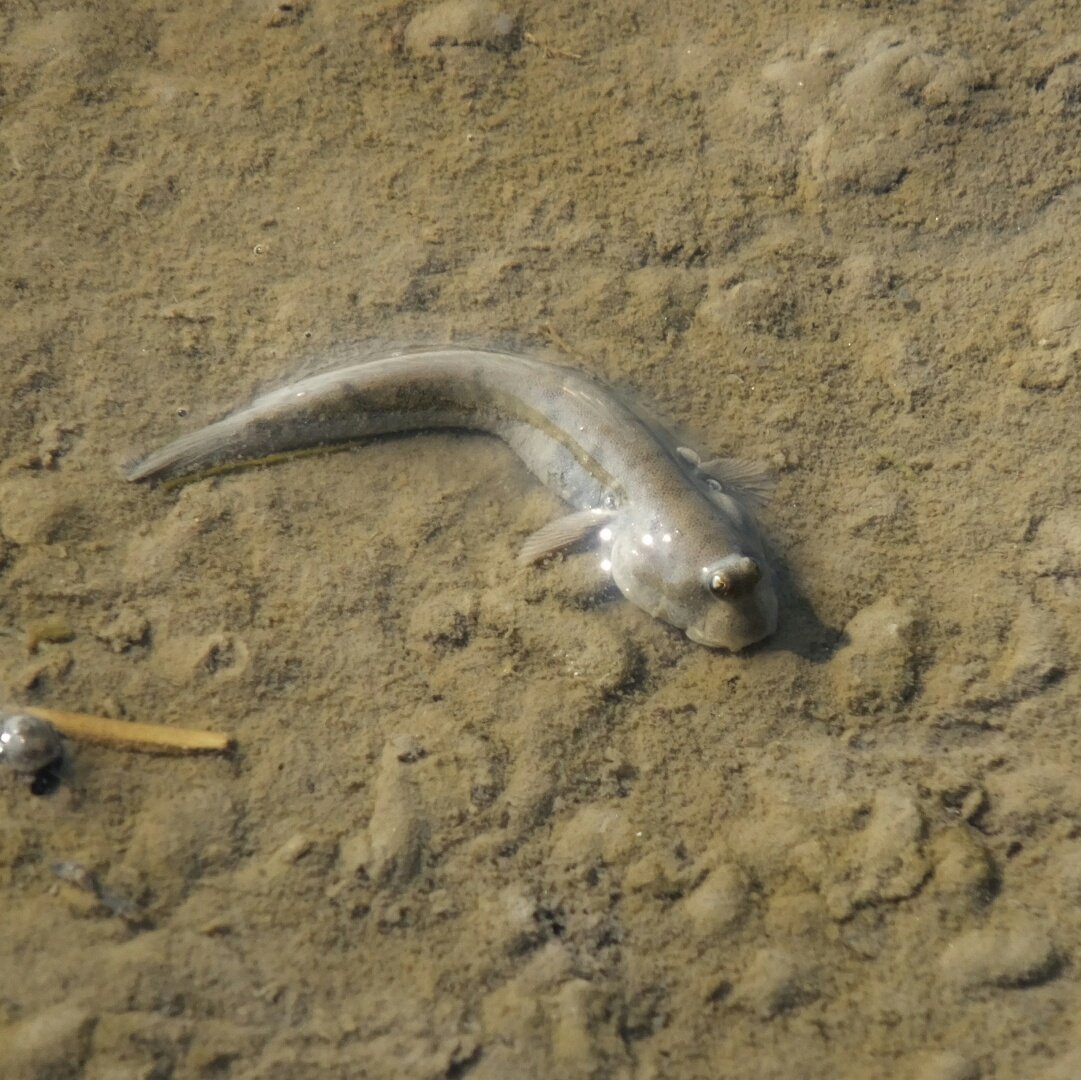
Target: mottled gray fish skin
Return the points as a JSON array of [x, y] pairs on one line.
[[678, 535]]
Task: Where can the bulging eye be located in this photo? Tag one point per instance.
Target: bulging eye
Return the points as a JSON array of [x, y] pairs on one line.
[[734, 576], [719, 585]]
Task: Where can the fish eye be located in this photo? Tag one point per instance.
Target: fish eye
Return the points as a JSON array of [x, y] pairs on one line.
[[737, 574], [718, 585]]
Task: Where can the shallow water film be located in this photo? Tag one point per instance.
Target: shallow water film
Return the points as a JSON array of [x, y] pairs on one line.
[[486, 820]]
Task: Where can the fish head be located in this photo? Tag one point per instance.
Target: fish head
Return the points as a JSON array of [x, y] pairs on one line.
[[713, 584]]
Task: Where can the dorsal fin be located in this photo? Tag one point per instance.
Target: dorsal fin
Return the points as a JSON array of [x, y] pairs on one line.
[[745, 480]]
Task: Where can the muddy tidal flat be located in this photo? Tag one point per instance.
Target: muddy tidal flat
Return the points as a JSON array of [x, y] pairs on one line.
[[486, 820]]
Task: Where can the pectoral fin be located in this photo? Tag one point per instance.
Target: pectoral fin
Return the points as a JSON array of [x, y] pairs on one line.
[[744, 480], [563, 533]]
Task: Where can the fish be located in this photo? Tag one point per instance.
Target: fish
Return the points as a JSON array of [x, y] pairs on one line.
[[678, 534]]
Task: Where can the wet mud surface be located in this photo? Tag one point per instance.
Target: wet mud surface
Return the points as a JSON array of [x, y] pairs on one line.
[[484, 820]]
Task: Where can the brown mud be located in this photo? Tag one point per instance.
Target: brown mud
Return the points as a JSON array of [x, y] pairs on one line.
[[482, 822]]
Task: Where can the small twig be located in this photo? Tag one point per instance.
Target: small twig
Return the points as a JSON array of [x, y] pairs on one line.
[[549, 52], [153, 738], [556, 339]]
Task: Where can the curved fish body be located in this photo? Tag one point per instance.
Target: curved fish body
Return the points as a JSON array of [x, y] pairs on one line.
[[678, 535]]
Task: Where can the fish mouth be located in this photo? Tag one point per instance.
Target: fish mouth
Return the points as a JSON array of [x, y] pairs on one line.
[[744, 630]]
